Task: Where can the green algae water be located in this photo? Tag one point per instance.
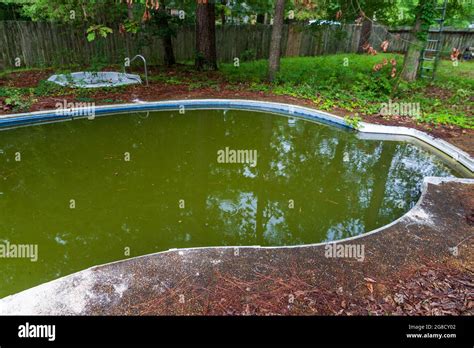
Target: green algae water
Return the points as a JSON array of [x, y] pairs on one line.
[[88, 192]]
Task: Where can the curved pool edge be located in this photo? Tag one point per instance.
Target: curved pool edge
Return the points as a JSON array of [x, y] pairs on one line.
[[458, 155], [75, 293]]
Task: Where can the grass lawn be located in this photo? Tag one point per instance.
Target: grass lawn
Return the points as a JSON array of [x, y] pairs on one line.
[[355, 87], [344, 82]]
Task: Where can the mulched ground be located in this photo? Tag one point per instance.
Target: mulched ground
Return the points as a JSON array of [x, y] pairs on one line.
[[24, 79], [463, 138], [430, 289]]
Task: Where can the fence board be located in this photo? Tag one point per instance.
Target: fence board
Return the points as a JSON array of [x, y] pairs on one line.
[[50, 44]]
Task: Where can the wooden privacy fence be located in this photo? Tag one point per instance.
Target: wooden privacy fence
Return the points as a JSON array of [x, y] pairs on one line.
[[39, 44]]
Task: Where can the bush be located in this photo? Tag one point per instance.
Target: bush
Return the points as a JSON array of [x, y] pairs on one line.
[[248, 55], [18, 100], [46, 88]]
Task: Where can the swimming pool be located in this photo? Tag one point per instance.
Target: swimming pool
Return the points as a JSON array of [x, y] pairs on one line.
[[102, 189]]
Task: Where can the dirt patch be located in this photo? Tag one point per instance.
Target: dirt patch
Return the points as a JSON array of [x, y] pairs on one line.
[[429, 289], [437, 92], [25, 79]]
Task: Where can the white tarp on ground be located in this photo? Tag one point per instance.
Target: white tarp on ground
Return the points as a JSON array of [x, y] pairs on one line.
[[95, 79]]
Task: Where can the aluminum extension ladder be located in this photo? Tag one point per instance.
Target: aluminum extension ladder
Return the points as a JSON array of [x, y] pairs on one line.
[[431, 53]]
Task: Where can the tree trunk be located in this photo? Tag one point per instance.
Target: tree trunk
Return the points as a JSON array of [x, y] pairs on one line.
[[130, 11], [365, 32], [412, 55], [275, 45], [411, 61], [261, 18], [223, 19], [166, 39], [206, 57]]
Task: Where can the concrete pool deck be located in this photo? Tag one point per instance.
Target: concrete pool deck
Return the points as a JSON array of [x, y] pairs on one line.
[[227, 280], [280, 280]]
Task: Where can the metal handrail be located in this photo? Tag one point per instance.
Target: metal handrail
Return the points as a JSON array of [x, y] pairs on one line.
[[144, 64]]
